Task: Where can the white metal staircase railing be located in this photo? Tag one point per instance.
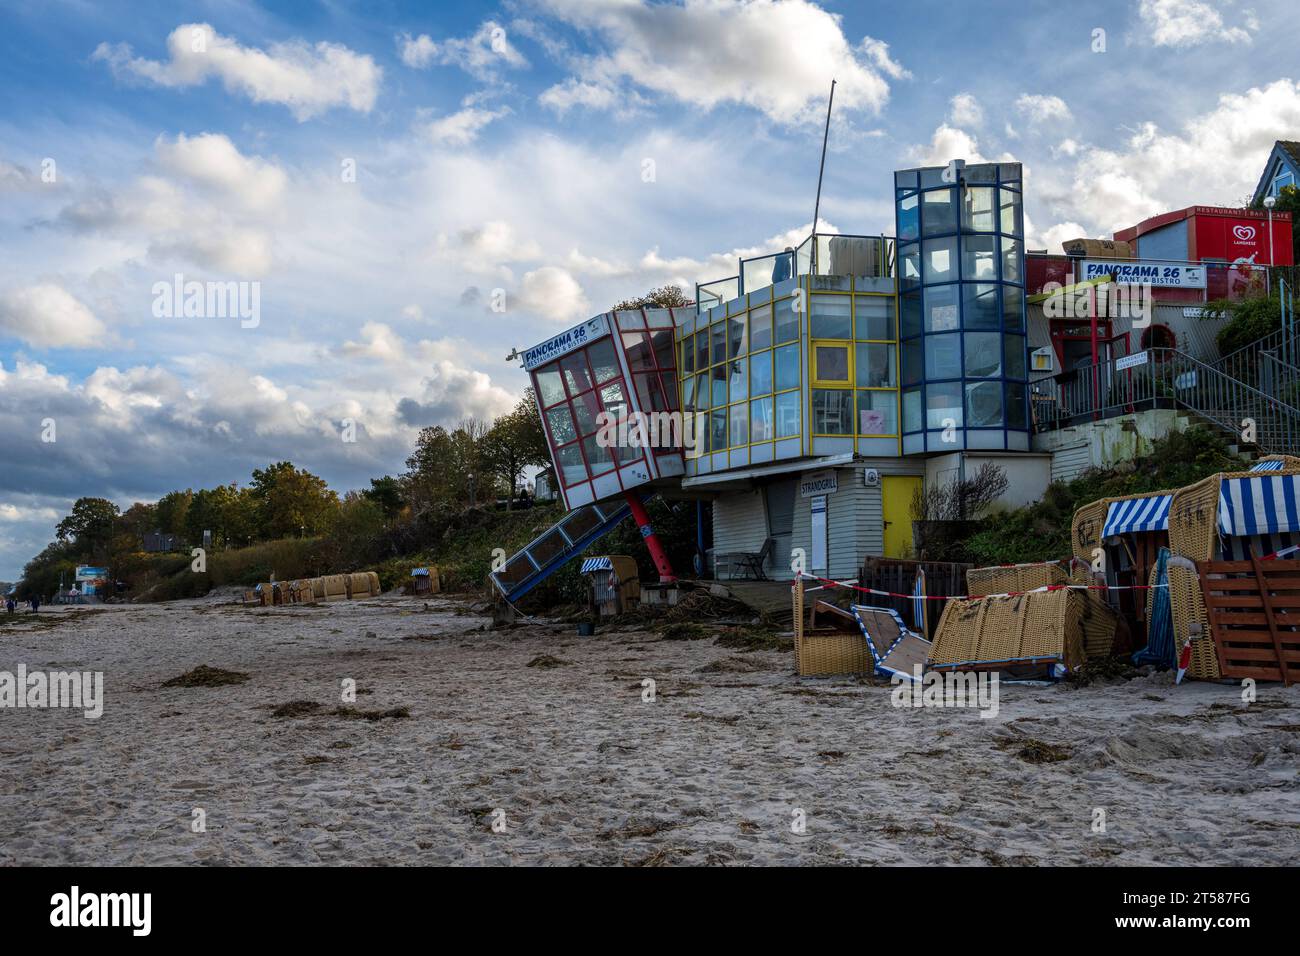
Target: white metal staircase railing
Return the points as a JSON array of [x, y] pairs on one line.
[[1170, 379]]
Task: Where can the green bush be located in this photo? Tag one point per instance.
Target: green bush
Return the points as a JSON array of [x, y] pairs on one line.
[[1041, 531]]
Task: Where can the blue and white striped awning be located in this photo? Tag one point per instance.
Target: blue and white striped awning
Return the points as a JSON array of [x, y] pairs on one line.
[[596, 564], [1137, 514], [419, 572], [1274, 465], [1259, 505]]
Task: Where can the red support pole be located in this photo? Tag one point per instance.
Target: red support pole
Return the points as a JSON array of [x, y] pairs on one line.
[[642, 519]]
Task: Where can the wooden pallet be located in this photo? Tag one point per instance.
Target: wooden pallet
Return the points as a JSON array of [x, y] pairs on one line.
[[1254, 613]]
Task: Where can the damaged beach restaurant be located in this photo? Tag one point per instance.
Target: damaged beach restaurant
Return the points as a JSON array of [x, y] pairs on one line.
[[802, 405]]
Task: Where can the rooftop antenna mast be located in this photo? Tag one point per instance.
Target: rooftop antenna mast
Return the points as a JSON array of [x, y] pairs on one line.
[[820, 172]]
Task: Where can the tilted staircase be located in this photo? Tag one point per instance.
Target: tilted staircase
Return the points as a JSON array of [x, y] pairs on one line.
[[557, 546]]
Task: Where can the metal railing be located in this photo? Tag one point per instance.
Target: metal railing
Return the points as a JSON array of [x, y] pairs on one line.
[[1168, 378], [822, 254]]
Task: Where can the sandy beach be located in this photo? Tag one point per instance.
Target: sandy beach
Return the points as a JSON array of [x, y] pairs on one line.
[[552, 729]]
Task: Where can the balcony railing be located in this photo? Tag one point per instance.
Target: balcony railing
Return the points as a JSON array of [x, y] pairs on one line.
[[1168, 378], [820, 254]]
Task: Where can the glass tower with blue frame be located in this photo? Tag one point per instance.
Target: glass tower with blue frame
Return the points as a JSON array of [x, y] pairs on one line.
[[961, 274]]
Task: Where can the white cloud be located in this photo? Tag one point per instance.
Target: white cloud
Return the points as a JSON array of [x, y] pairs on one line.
[[964, 110], [211, 160], [307, 79], [1188, 23], [554, 294], [946, 144], [1038, 108], [572, 92], [710, 52], [48, 316], [478, 54], [462, 128], [1215, 159]]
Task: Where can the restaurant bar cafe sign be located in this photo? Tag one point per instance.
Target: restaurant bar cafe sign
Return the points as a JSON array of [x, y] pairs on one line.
[[1156, 274], [566, 342]]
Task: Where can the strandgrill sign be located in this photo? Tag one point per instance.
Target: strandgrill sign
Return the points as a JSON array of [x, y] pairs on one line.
[[819, 483], [566, 342]]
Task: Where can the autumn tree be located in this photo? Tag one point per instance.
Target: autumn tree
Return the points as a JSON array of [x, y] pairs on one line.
[[447, 470], [171, 510], [228, 511], [90, 525], [515, 442], [289, 501], [665, 297]]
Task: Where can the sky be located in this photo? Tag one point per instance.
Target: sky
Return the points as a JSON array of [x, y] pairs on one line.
[[412, 190]]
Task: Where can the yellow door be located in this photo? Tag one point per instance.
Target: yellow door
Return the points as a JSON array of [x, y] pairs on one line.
[[896, 494]]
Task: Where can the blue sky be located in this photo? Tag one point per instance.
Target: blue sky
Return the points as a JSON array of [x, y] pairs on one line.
[[501, 146]]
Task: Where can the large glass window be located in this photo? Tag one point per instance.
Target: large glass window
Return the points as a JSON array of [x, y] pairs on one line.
[[830, 317], [1016, 405], [977, 209], [875, 363], [938, 212], [983, 354], [603, 360], [912, 419], [572, 468], [1011, 260], [832, 411], [909, 265], [943, 405], [599, 458], [719, 386], [739, 427], [576, 375], [1014, 356], [636, 346], [1013, 308], [787, 321], [943, 356], [736, 337], [736, 378], [913, 364], [831, 363], [760, 328], [984, 405], [718, 340], [909, 314], [562, 428], [941, 308], [979, 258], [873, 317], [980, 305], [760, 373], [787, 415], [1012, 223], [939, 260], [550, 387], [877, 413], [760, 419], [787, 367], [909, 218]]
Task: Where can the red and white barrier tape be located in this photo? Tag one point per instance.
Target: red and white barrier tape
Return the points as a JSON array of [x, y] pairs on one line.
[[829, 583]]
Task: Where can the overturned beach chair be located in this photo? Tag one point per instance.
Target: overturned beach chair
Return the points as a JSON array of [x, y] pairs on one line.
[[894, 648]]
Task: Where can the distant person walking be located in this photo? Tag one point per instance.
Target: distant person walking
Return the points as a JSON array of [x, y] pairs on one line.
[[11, 605], [36, 605]]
